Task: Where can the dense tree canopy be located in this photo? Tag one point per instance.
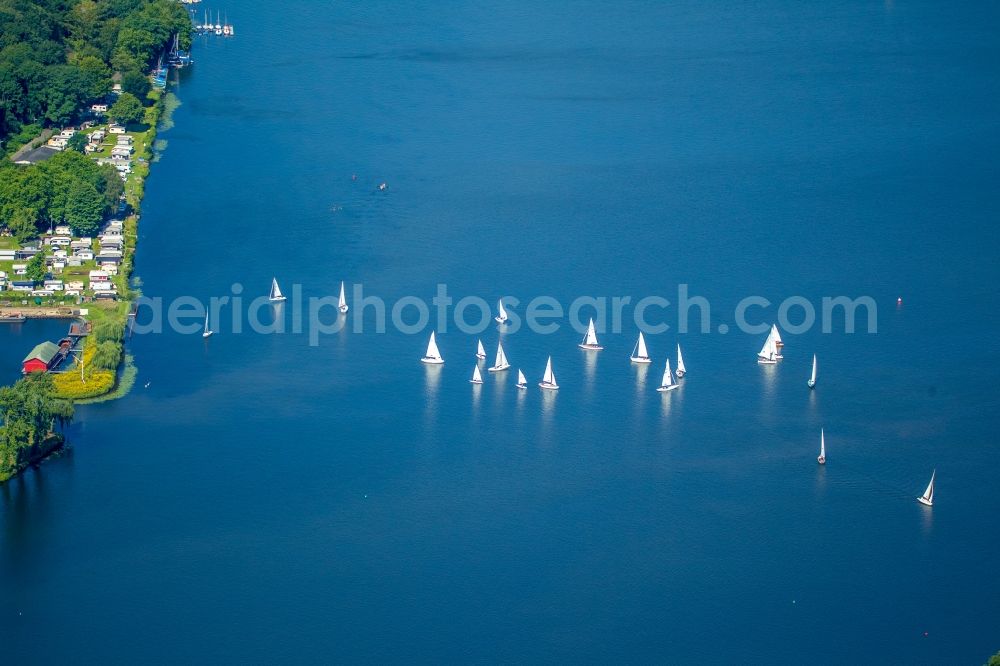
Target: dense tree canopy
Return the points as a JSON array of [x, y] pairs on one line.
[[66, 188], [58, 55], [35, 270], [128, 109]]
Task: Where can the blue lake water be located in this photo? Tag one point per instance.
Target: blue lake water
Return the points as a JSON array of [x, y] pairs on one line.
[[264, 499]]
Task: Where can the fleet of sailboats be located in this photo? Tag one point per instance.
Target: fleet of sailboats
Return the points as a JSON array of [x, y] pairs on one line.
[[640, 354], [768, 354], [501, 360], [590, 342], [276, 295], [433, 355]]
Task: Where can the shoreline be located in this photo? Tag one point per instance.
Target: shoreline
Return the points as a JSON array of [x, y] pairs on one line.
[[36, 312], [96, 384]]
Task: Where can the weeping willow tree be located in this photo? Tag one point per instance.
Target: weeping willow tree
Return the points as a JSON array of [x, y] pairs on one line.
[[30, 416]]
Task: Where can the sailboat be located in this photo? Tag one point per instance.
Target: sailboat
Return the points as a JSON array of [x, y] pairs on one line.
[[477, 377], [522, 381], [667, 383], [928, 496], [501, 317], [767, 353], [778, 344], [218, 24], [342, 302], [225, 26], [776, 335], [590, 339], [640, 354], [681, 370], [276, 295], [821, 458], [812, 379], [549, 378], [501, 361], [207, 332], [433, 355], [480, 350]]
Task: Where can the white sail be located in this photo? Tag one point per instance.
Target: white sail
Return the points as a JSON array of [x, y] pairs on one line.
[[500, 362], [276, 294], [480, 350], [549, 378], [681, 370], [522, 381], [768, 351], [342, 301], [640, 354], [812, 377], [590, 338], [928, 496], [477, 377], [207, 332], [667, 383], [822, 446], [501, 312], [776, 336], [433, 354]]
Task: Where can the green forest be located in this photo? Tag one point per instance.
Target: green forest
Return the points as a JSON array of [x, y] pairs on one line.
[[56, 56]]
